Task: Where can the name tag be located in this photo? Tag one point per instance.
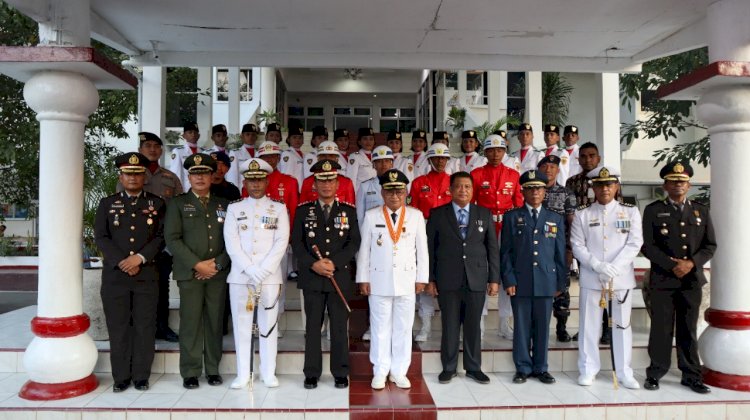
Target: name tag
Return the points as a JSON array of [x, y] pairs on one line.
[[380, 226], [662, 215], [188, 208]]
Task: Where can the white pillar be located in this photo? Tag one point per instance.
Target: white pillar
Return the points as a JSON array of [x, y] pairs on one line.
[[205, 102], [233, 122], [153, 99], [608, 117], [497, 91], [533, 113], [267, 89], [725, 345], [61, 358]]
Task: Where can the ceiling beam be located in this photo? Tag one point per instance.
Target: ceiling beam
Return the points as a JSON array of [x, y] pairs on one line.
[[104, 32], [688, 38]]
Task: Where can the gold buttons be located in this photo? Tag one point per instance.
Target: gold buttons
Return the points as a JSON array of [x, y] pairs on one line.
[[132, 228], [536, 253], [682, 223], [132, 253], [684, 247], [682, 235], [132, 240]]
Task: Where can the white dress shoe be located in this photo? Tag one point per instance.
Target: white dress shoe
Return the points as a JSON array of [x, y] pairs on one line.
[[366, 337], [378, 382], [239, 382], [584, 380], [505, 330], [629, 383], [271, 382], [400, 381]]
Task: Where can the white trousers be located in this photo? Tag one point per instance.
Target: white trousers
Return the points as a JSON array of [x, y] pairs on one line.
[[504, 310], [590, 328], [391, 322], [242, 321]]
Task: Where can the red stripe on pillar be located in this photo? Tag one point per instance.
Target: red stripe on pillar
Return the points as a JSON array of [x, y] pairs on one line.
[[728, 320], [44, 392], [725, 380], [68, 326]]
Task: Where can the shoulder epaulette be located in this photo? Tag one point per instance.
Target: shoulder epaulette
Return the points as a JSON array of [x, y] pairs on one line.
[[346, 204], [584, 206], [627, 204], [278, 200], [306, 203], [236, 201]]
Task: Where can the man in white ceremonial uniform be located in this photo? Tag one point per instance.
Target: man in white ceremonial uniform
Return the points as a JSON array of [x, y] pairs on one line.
[[191, 134], [245, 152], [606, 236], [256, 233], [527, 155], [392, 266], [369, 192], [552, 140], [571, 137]]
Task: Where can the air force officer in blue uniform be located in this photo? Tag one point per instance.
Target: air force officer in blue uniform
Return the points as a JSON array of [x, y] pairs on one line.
[[532, 254]]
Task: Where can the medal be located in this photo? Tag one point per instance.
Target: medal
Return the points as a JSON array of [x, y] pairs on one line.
[[149, 221], [220, 219], [480, 229], [341, 233], [380, 240], [664, 231], [311, 234], [243, 226], [395, 235]]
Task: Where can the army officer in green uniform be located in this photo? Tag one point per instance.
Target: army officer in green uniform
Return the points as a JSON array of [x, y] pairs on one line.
[[193, 230]]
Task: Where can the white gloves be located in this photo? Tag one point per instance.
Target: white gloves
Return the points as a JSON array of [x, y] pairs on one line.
[[257, 275], [605, 268]]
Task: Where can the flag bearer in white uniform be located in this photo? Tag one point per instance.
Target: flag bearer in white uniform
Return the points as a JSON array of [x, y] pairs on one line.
[[256, 232], [527, 155], [470, 146], [606, 236], [392, 266], [552, 140]]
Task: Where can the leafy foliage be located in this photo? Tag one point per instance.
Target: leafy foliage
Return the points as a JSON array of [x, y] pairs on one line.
[[456, 118], [666, 119], [556, 91], [487, 128]]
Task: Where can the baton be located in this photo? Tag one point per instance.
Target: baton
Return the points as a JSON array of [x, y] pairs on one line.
[[333, 280], [612, 344]]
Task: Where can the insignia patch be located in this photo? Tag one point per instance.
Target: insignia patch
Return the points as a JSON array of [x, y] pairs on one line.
[[286, 158], [174, 155], [309, 161], [231, 158], [351, 161], [564, 160]]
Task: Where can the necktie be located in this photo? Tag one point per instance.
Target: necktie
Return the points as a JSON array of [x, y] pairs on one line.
[[463, 223], [326, 211], [394, 216], [204, 201], [534, 215]]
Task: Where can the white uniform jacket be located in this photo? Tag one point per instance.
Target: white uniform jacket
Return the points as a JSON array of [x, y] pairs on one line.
[[256, 236], [368, 197], [512, 162], [360, 168], [611, 233], [177, 159], [238, 157], [475, 161], [393, 269], [291, 164], [421, 166], [529, 161], [574, 168], [404, 165]]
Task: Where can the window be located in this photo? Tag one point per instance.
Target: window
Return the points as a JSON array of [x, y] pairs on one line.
[[308, 117], [476, 87], [351, 117], [401, 119], [246, 85], [12, 211], [516, 96], [451, 80]]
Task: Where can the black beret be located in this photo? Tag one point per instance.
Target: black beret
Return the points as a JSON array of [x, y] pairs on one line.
[[549, 159], [319, 130], [341, 132], [146, 136], [570, 129], [273, 127], [190, 126], [221, 156], [250, 128], [394, 135], [552, 128], [219, 128], [365, 131], [469, 134]]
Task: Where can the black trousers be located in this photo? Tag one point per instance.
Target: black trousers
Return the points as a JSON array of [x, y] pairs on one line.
[[164, 266], [130, 310], [461, 307], [674, 310], [316, 303]]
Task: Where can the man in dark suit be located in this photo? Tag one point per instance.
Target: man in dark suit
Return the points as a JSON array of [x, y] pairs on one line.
[[532, 255], [332, 226], [194, 231], [129, 231], [460, 279], [678, 238]]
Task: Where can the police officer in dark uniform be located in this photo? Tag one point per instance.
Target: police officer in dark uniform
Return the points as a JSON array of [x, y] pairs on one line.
[[678, 238], [194, 231], [332, 226], [129, 232], [562, 201], [166, 184]]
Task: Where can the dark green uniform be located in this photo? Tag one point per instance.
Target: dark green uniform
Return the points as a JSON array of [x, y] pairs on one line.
[[194, 233]]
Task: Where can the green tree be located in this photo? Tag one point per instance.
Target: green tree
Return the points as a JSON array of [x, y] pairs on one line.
[[486, 128], [556, 91], [665, 119], [19, 129]]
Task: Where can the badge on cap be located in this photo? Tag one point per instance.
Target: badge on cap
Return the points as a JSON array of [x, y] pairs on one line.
[[678, 168], [604, 173], [326, 166], [393, 176], [197, 159]]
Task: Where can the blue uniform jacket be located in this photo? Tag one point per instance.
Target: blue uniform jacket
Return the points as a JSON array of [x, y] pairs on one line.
[[533, 257]]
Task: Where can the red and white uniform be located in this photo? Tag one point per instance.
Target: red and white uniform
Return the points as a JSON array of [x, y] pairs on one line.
[[430, 191], [498, 189]]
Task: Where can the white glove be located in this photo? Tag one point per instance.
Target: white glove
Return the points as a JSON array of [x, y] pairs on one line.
[[263, 273], [611, 270], [604, 280], [599, 266], [252, 272]]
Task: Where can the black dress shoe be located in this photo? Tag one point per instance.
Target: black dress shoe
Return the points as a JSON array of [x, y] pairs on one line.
[[190, 383], [574, 337], [563, 336], [214, 380], [121, 386], [167, 334], [311, 382], [445, 377], [340, 382], [696, 385], [519, 378], [544, 377], [652, 384], [478, 376], [606, 337], [141, 384]]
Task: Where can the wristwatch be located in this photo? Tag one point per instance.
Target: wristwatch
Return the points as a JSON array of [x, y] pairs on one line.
[[219, 266]]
